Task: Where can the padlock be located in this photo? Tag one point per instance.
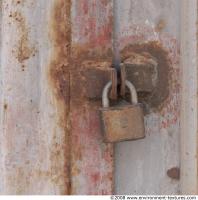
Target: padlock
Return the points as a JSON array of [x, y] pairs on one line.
[[122, 122]]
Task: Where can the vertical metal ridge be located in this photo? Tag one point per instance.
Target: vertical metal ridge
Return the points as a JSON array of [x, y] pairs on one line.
[[189, 114]]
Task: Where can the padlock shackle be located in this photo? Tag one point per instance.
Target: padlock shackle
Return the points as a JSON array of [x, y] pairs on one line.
[[105, 93], [105, 98], [131, 87]]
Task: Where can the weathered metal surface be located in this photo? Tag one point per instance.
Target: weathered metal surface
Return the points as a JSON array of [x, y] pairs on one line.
[[152, 25], [34, 106], [141, 69], [59, 31], [174, 173], [155, 50], [42, 152], [189, 98], [93, 77], [122, 123], [92, 161]]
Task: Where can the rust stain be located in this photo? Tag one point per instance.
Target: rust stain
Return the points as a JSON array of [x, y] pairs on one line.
[[142, 71], [67, 65], [174, 173], [90, 64], [24, 49], [87, 139], [95, 177], [40, 173], [156, 50], [93, 29], [161, 25], [94, 52], [17, 1], [59, 75], [122, 123], [23, 67], [85, 52], [5, 106], [96, 31], [75, 170], [141, 59], [92, 77], [91, 57]]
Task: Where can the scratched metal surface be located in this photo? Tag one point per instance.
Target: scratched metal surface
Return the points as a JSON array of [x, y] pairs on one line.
[[141, 166]]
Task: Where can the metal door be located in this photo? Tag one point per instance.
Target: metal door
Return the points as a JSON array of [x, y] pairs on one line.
[[50, 140]]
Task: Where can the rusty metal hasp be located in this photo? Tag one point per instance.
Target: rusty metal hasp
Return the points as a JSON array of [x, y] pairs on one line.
[[122, 122]]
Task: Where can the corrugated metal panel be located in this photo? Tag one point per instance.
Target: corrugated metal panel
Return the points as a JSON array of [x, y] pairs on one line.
[[50, 141], [34, 143], [141, 166], [189, 176], [92, 159], [42, 152]]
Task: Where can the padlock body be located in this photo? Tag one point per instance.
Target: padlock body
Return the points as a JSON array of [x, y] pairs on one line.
[[122, 123]]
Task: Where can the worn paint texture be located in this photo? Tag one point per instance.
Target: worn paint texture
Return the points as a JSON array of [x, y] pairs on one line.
[[92, 159], [51, 140], [141, 69], [59, 75], [152, 27], [160, 91], [34, 93], [50, 128]]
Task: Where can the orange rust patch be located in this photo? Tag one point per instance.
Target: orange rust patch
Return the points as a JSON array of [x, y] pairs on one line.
[[91, 58], [155, 49], [93, 64], [122, 123], [65, 65], [24, 49], [59, 75], [89, 80], [81, 53]]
